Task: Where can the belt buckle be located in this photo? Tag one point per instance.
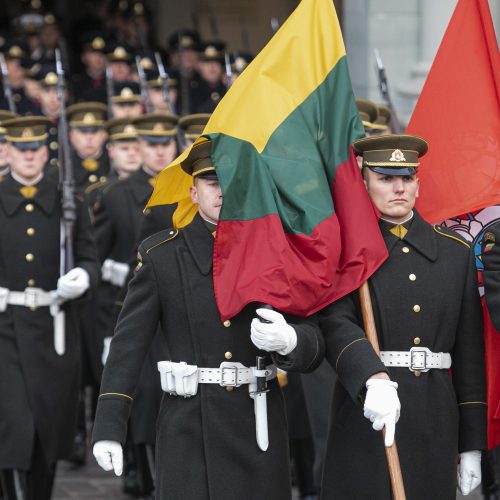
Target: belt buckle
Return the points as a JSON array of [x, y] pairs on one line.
[[418, 359], [227, 366], [30, 297]]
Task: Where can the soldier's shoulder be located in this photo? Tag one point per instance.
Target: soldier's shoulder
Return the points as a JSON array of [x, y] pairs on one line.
[[450, 235], [112, 185], [158, 239]]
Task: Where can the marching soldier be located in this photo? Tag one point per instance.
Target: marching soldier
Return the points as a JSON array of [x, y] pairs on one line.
[[90, 84], [211, 88], [119, 58], [155, 89], [126, 100], [207, 445], [429, 319], [39, 338], [15, 52], [87, 136], [50, 107]]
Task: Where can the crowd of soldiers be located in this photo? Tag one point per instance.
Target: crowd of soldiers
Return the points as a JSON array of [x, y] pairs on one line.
[[79, 153], [118, 119]]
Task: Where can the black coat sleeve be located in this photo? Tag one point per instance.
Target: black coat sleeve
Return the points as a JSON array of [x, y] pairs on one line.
[[347, 348], [85, 252], [310, 349], [136, 327], [491, 274], [468, 367]]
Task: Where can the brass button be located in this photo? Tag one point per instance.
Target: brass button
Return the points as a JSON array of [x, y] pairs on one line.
[[412, 277], [53, 130], [30, 257], [228, 355], [227, 323], [31, 282], [53, 145], [230, 388], [417, 373], [54, 161], [103, 178], [416, 308], [92, 178], [29, 207], [405, 249], [416, 340], [30, 231], [33, 308]]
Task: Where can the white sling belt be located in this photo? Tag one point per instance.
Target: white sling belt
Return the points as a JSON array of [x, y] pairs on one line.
[[419, 359], [36, 297], [181, 379]]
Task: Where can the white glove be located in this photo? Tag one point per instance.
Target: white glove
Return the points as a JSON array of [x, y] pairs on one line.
[[105, 349], [382, 406], [469, 471], [73, 284], [277, 335], [114, 272], [109, 455]]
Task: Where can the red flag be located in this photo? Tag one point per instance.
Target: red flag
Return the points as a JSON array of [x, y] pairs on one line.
[[458, 113]]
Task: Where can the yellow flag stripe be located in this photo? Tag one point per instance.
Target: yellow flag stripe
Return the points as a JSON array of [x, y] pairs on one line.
[[291, 66]]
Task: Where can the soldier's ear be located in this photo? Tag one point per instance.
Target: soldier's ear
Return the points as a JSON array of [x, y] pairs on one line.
[[418, 188]]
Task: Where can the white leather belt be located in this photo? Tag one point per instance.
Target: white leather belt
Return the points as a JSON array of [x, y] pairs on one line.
[[114, 272], [36, 297], [419, 359]]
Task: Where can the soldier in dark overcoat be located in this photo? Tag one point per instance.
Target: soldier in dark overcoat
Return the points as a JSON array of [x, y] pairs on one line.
[[428, 317], [206, 444], [39, 377], [87, 136]]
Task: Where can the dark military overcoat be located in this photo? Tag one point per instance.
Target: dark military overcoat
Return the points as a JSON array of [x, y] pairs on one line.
[[491, 275], [89, 171], [38, 388], [424, 295], [206, 446]]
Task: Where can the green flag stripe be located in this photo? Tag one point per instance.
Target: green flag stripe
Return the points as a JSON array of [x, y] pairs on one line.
[[294, 174]]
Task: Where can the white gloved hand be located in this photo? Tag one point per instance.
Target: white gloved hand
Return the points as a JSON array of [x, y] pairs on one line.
[[120, 273], [382, 406], [469, 471], [105, 349], [73, 284], [276, 336], [109, 455]]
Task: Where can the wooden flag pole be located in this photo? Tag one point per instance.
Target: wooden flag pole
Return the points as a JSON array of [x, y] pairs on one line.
[[391, 453]]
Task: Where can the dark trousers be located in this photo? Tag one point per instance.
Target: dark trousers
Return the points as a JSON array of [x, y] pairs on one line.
[[33, 484]]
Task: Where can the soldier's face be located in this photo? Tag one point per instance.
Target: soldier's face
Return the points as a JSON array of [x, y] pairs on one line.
[[87, 144], [94, 61], [27, 164], [207, 194], [125, 156], [393, 195], [126, 110], [120, 71], [157, 156], [155, 96], [211, 71], [49, 101]]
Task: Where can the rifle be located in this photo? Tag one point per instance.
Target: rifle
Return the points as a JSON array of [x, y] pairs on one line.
[[7, 89], [164, 82], [144, 86], [229, 71], [184, 82], [66, 172], [384, 90], [109, 90]]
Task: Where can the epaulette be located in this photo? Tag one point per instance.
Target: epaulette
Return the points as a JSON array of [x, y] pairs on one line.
[[111, 185], [94, 186], [441, 230], [158, 239]]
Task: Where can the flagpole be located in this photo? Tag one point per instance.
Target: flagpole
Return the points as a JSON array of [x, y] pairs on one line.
[[391, 453]]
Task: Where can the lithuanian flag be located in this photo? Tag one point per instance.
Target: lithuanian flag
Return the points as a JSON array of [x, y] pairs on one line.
[[297, 229]]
